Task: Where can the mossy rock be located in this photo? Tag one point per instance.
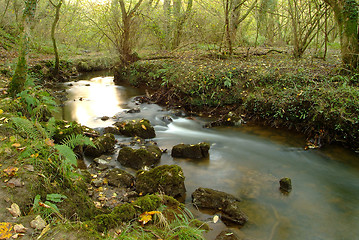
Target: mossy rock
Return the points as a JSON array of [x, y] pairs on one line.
[[139, 158], [65, 129], [129, 211], [167, 179], [199, 150], [139, 127], [221, 201], [120, 178], [104, 144]]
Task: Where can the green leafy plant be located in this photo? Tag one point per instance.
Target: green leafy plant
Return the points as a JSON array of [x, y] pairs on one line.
[[48, 208]]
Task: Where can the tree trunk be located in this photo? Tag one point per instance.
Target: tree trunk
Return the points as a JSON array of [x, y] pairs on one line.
[[127, 20], [180, 21], [346, 15], [53, 29], [18, 80], [167, 22]]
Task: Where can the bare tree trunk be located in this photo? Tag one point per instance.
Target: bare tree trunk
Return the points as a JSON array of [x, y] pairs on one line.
[[18, 80], [53, 29], [228, 31]]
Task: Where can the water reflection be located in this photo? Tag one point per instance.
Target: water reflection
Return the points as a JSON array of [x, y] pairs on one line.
[[91, 100]]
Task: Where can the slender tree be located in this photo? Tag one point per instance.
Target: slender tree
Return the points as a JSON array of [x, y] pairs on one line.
[[18, 80], [53, 29]]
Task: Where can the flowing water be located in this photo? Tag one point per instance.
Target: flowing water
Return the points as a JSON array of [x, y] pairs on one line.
[[246, 161]]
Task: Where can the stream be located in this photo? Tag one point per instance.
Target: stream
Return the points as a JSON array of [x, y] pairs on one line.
[[246, 161]]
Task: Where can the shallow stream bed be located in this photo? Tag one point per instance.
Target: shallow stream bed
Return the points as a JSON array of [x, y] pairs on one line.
[[246, 161]]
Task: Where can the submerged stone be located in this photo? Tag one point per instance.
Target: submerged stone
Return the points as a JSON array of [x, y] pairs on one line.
[[166, 179], [228, 204], [139, 158], [138, 127], [199, 150], [285, 184]]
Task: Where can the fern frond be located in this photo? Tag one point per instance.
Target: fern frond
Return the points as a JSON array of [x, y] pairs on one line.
[[41, 130], [51, 127], [77, 140], [28, 127], [68, 155]]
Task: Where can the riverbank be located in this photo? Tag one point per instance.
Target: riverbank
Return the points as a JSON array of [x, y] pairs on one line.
[[260, 85]]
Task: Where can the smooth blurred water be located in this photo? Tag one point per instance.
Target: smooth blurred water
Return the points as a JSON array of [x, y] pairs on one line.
[[246, 161]]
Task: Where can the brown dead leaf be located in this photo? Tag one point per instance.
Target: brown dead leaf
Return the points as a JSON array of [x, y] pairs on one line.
[[19, 228], [14, 210], [14, 182]]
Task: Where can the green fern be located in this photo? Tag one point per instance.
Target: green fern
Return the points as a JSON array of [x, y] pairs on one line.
[[51, 126], [67, 154], [28, 128], [77, 140]]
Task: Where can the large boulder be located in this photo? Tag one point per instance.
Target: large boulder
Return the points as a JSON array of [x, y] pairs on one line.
[[166, 179], [138, 127], [199, 150], [139, 158], [228, 204], [104, 144]]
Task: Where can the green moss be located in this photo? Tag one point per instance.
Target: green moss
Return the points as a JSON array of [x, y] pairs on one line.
[[125, 212], [64, 129], [168, 179], [148, 203], [104, 221], [139, 127]]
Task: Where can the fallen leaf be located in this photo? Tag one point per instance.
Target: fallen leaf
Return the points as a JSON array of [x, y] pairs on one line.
[[145, 218], [19, 228], [14, 182], [6, 230], [16, 145], [215, 219], [17, 235], [14, 210], [98, 204], [38, 223], [49, 142], [41, 204], [11, 171], [144, 127], [29, 168]]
